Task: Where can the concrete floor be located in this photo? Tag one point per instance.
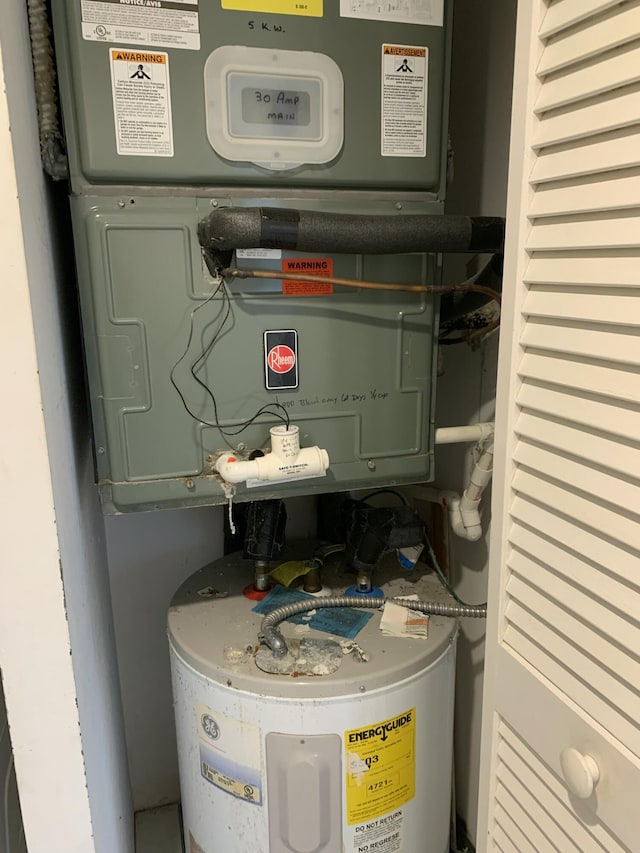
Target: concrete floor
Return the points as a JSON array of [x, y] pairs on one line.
[[158, 831]]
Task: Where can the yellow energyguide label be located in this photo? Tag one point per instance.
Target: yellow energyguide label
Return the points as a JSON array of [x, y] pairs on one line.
[[381, 767], [310, 8]]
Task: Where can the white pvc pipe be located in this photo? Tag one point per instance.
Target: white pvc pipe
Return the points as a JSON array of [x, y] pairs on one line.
[[287, 460], [459, 434]]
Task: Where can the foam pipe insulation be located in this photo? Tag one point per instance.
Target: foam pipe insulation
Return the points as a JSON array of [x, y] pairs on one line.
[[337, 233]]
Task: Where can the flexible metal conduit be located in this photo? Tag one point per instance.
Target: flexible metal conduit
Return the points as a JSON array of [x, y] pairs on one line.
[[340, 233], [271, 636], [54, 159]]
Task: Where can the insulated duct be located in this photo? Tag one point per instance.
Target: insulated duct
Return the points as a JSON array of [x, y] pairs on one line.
[[337, 233]]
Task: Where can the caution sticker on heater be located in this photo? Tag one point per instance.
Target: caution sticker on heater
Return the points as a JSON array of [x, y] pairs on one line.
[[141, 102], [381, 767], [404, 100], [322, 267], [308, 8]]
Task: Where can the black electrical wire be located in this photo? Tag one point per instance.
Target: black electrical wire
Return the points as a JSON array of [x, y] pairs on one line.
[[267, 409], [443, 580], [385, 492]]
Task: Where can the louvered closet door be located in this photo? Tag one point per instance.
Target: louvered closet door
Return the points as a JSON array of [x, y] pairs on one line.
[[563, 643]]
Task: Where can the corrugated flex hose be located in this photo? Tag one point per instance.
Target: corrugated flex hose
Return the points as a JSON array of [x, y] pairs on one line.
[[54, 159], [271, 636]]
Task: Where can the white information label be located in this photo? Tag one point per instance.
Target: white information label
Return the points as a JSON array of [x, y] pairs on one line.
[[230, 755], [259, 253], [383, 835], [141, 102], [404, 100], [429, 12], [161, 23]]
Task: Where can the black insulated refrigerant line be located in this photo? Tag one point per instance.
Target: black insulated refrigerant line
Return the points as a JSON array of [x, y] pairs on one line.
[[339, 233]]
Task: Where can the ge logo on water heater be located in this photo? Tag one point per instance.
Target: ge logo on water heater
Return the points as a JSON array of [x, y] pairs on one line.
[[210, 727], [281, 359]]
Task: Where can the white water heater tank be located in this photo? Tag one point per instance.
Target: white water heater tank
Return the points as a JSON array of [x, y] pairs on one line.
[[354, 761]]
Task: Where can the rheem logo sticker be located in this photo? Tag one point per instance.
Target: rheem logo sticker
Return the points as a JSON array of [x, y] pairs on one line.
[[281, 359]]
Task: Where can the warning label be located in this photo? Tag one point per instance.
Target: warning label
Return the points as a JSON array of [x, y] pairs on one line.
[[308, 8], [141, 103], [380, 768], [163, 23], [307, 266], [404, 100], [429, 12], [379, 836]]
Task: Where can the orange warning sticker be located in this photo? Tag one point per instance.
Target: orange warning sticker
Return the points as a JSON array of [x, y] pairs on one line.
[[307, 266]]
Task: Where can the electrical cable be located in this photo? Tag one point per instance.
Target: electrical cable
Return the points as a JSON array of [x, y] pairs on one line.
[[441, 577], [197, 364], [385, 492]]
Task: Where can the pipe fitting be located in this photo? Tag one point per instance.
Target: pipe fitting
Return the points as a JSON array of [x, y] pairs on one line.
[[287, 461]]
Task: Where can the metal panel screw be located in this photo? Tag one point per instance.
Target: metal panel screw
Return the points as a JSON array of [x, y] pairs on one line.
[[214, 202], [398, 205], [371, 465], [190, 484], [101, 450], [121, 203]]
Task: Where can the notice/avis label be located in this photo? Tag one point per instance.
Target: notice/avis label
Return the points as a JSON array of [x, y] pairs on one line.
[[141, 103], [161, 23], [404, 100]]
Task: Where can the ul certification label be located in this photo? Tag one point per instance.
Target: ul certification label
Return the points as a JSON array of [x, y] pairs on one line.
[[230, 755], [404, 100], [163, 23], [281, 359], [141, 103], [380, 768]]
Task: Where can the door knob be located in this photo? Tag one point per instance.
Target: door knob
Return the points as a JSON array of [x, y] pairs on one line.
[[581, 772]]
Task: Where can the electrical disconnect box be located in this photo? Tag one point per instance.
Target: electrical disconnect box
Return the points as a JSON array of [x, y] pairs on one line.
[[174, 110]]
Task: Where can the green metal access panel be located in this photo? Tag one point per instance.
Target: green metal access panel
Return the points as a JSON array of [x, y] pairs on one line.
[[175, 108]]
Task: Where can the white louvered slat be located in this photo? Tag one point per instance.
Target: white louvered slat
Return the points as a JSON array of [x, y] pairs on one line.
[[586, 268], [613, 191], [588, 409], [524, 622], [589, 306], [552, 836], [511, 835], [588, 40], [619, 629], [577, 569], [599, 377], [535, 838], [621, 344], [586, 511], [612, 151], [591, 479], [564, 13], [548, 793], [577, 441], [538, 591], [586, 231], [588, 119], [609, 555], [617, 70]]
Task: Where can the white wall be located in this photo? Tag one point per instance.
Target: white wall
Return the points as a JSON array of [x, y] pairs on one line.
[[56, 644], [482, 72]]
